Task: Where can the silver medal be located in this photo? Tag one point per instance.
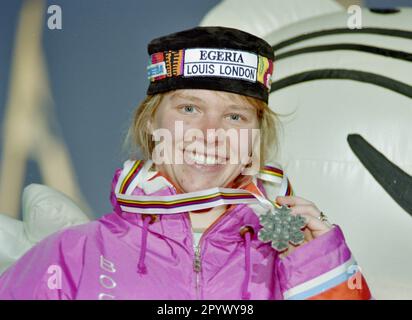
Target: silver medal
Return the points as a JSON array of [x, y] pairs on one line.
[[281, 227]]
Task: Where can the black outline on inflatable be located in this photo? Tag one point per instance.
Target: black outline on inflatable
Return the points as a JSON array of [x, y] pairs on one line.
[[345, 74], [395, 54], [384, 10], [396, 182], [381, 31]]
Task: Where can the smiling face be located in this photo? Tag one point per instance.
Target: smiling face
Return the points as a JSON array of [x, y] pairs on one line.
[[196, 156]]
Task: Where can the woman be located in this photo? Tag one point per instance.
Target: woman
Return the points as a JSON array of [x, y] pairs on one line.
[[192, 221]]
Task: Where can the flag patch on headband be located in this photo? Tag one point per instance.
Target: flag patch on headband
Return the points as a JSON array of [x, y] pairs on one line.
[[209, 62]]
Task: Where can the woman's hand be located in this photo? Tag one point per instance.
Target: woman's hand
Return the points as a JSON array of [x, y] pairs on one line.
[[307, 209]]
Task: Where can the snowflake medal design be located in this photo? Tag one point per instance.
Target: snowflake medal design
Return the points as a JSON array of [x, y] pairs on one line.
[[281, 227]]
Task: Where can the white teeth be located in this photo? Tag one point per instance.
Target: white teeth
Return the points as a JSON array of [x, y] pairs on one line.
[[201, 159], [210, 160]]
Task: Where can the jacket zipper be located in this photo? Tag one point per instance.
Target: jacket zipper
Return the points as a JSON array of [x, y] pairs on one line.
[[197, 261], [197, 267]]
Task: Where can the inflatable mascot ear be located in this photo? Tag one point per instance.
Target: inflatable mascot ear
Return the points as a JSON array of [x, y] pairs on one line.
[[344, 97], [45, 211]]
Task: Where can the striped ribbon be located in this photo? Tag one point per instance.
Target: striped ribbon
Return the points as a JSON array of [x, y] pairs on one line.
[[136, 172], [273, 173]]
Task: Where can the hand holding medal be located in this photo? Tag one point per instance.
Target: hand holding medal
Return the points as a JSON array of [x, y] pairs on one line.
[[295, 222]]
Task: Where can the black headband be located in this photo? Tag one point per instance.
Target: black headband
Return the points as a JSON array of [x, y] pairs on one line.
[[214, 58]]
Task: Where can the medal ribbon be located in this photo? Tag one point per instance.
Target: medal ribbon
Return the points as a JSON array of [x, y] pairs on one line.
[[135, 172]]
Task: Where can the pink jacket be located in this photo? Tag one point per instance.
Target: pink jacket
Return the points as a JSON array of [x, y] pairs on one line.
[[141, 256]]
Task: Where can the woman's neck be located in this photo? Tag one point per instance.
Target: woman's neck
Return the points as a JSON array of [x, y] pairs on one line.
[[202, 219]]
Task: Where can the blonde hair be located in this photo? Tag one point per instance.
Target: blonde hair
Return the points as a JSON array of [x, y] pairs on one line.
[[139, 137]]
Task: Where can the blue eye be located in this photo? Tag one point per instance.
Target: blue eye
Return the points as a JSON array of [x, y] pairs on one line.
[[189, 109], [235, 117]]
